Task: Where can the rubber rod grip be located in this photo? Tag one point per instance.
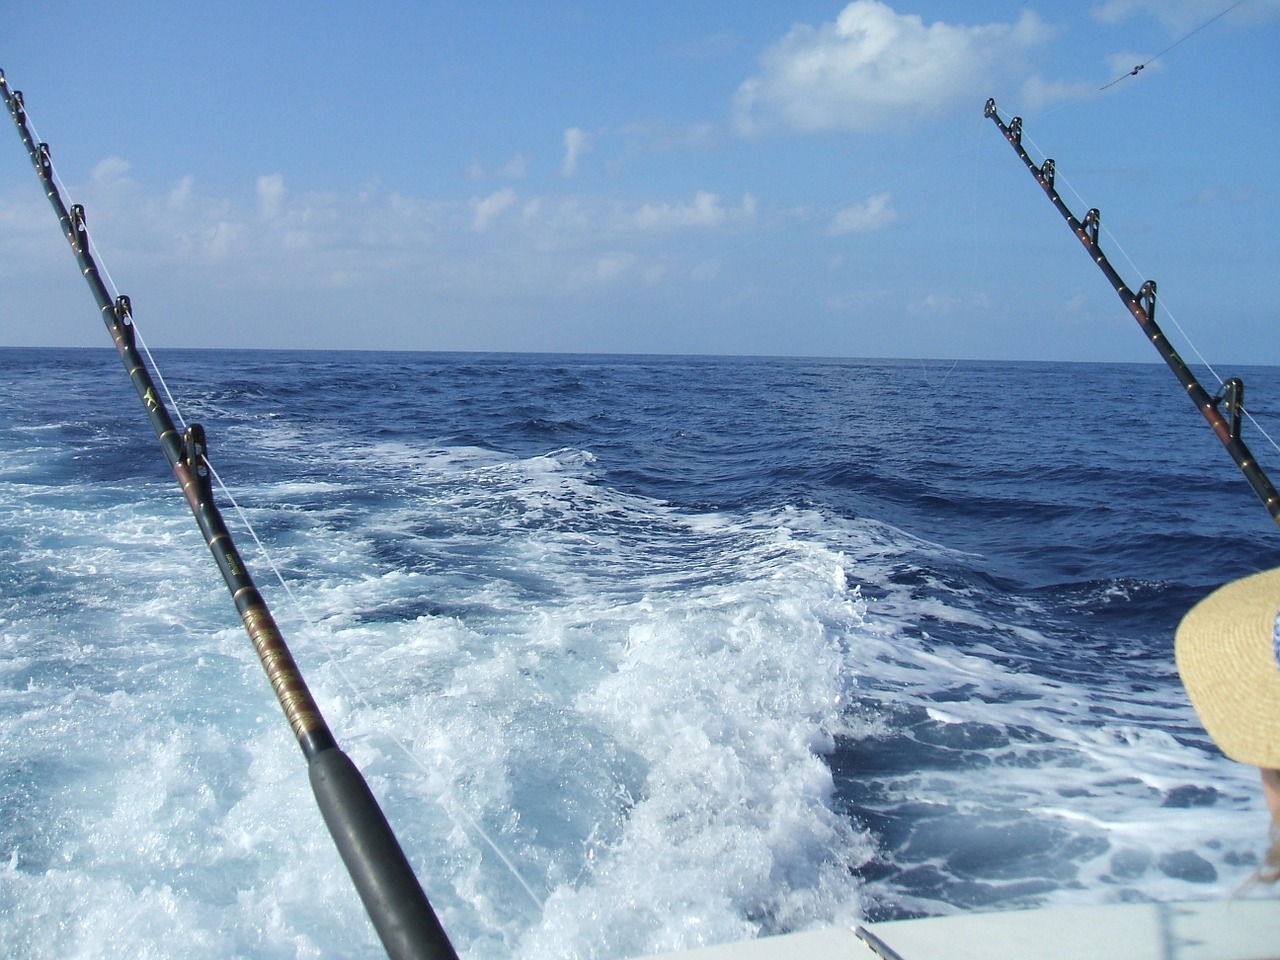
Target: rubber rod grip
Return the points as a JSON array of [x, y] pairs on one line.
[[392, 896]]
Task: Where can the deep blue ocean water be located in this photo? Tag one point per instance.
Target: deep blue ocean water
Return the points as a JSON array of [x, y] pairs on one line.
[[637, 652]]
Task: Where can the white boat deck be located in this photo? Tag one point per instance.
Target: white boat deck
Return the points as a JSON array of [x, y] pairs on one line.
[[1231, 930]]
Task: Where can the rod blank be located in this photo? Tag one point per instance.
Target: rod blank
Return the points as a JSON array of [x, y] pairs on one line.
[[1143, 307], [393, 898]]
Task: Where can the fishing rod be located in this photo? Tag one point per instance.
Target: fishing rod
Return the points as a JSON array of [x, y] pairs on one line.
[[392, 896], [1143, 307]]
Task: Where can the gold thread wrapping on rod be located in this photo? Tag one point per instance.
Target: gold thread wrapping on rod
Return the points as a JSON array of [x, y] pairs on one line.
[[291, 690]]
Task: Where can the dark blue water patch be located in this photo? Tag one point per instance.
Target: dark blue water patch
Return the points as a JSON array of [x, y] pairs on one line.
[[975, 860], [402, 609], [986, 845], [1187, 865], [1190, 795], [539, 427]]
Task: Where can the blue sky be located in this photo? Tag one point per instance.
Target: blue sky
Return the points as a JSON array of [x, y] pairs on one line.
[[798, 178]]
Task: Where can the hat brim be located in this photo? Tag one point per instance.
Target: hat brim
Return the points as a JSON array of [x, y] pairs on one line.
[[1225, 651]]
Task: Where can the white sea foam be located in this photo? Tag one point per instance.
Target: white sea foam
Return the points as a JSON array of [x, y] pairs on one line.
[[634, 705]]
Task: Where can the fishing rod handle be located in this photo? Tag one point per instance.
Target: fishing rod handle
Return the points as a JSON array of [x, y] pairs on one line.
[[392, 896]]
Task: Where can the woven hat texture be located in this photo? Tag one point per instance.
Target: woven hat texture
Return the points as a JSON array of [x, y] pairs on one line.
[[1226, 652]]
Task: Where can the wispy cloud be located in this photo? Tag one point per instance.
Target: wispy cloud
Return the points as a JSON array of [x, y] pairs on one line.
[[517, 168], [110, 170], [265, 238], [613, 265], [487, 209], [271, 196], [576, 143], [875, 214]]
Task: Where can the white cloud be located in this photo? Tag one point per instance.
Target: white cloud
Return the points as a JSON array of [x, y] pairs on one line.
[[264, 238], [181, 193], [517, 168], [487, 209], [932, 303], [271, 196], [706, 210], [613, 265], [110, 169], [872, 68], [531, 211], [514, 169], [576, 143], [219, 240], [876, 214]]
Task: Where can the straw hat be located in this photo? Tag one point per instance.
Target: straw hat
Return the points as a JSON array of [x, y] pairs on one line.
[[1228, 653]]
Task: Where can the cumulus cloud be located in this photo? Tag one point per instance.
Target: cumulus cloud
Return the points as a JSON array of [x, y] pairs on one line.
[[110, 170], [873, 68], [706, 210], [576, 143], [487, 209], [876, 214]]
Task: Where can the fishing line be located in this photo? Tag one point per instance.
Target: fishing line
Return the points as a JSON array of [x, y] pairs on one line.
[[924, 372], [1164, 304], [105, 271], [450, 805], [1140, 67], [316, 632]]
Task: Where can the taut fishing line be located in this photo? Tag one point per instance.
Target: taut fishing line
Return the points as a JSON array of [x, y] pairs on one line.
[[1142, 306], [319, 634], [1146, 63], [449, 805], [115, 291], [1164, 303]]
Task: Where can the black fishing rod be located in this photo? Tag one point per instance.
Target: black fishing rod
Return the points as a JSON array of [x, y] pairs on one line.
[[1143, 307], [392, 896]]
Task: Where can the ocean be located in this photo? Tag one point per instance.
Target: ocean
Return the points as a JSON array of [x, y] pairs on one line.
[[638, 653]]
